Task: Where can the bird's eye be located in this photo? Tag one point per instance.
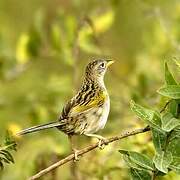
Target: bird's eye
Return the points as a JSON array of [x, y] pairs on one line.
[[102, 65]]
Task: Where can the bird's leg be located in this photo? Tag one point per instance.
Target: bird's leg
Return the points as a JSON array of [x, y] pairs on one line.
[[102, 140], [75, 151]]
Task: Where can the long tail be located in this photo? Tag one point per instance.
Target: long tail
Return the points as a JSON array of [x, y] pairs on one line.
[[40, 127]]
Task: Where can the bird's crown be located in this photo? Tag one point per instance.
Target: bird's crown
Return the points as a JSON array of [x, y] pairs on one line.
[[97, 68]]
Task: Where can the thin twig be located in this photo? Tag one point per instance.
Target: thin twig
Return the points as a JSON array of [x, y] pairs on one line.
[[165, 106], [86, 150], [153, 177]]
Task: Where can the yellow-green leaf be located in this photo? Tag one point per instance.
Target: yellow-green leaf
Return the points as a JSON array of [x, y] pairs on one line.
[[169, 122], [22, 54], [151, 117], [171, 91], [162, 161], [103, 22], [168, 76]]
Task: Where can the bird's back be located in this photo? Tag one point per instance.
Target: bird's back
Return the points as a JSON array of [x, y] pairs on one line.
[[87, 111]]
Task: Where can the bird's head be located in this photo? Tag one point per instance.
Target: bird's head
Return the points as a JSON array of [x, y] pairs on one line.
[[96, 69]]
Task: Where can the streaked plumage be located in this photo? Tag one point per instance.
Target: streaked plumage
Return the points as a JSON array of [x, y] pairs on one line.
[[88, 110]]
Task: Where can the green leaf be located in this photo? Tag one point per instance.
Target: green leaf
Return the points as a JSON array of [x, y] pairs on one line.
[[159, 140], [171, 91], [159, 173], [8, 155], [9, 143], [5, 160], [169, 122], [168, 76], [140, 160], [174, 148], [140, 174], [174, 143], [5, 155], [131, 164], [124, 152], [173, 106], [151, 117], [175, 165], [175, 135], [162, 161]]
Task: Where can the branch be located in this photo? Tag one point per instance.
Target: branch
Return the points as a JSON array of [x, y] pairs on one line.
[[165, 106], [86, 150]]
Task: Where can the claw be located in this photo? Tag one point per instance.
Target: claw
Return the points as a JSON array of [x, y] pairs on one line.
[[102, 143], [76, 156]]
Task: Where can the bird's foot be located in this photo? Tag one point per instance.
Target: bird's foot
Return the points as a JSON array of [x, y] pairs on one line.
[[76, 156], [102, 142]]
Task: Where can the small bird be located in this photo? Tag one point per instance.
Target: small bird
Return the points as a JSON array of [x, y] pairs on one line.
[[87, 112]]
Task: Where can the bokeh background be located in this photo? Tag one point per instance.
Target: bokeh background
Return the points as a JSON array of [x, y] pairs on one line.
[[44, 47]]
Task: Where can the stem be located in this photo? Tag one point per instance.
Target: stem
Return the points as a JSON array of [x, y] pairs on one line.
[[86, 150]]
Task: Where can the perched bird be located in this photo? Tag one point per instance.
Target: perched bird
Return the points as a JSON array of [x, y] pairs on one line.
[[88, 110]]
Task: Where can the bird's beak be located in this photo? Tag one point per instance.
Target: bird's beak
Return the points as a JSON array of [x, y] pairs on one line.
[[109, 62]]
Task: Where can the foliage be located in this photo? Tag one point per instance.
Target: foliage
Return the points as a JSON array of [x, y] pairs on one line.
[[165, 129], [44, 47], [5, 150]]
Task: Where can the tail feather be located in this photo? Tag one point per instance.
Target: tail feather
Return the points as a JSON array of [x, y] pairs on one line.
[[40, 127]]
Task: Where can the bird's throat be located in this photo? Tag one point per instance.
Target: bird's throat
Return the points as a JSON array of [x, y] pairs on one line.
[[97, 81]]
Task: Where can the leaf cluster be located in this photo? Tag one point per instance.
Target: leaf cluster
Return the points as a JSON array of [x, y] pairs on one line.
[[165, 130], [5, 151]]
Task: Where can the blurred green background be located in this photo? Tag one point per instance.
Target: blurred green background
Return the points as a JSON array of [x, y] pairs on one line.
[[44, 47]]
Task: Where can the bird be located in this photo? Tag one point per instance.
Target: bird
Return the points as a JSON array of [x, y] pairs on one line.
[[86, 112]]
